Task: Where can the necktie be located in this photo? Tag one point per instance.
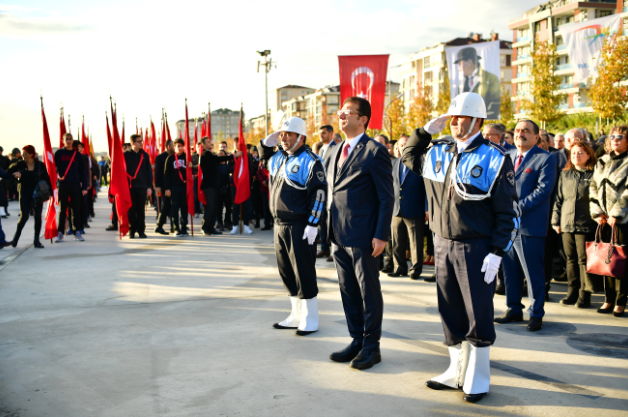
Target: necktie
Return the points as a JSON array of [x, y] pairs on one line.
[[345, 155], [404, 172], [467, 87], [518, 162]]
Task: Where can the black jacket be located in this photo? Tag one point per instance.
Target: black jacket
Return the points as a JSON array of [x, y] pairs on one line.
[[144, 178], [28, 181], [571, 205], [409, 195], [77, 174], [160, 167], [210, 164], [174, 175]]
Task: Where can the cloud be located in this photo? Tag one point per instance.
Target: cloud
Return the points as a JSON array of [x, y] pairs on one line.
[[15, 20]]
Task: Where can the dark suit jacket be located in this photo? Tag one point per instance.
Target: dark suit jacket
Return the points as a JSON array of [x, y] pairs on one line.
[[210, 164], [160, 167], [360, 195], [409, 195], [328, 152], [535, 180]]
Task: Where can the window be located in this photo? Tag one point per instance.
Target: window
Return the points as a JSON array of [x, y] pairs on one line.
[[569, 19], [427, 76], [559, 40], [426, 61], [537, 27], [603, 13], [412, 81], [568, 79], [583, 15], [332, 100], [502, 60], [558, 21]]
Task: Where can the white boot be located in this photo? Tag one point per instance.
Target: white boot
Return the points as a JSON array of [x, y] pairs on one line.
[[2, 212], [247, 229], [454, 376], [478, 378], [309, 317], [293, 319], [235, 230]]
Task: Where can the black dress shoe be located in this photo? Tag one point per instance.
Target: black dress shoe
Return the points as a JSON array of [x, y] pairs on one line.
[[280, 327], [430, 279], [570, 300], [142, 235], [398, 273], [535, 324], [38, 244], [305, 332], [473, 398], [618, 313], [347, 354], [14, 243], [500, 289], [608, 310], [366, 359], [112, 228], [131, 235], [161, 231], [387, 269], [508, 317], [415, 276], [215, 232], [437, 385]]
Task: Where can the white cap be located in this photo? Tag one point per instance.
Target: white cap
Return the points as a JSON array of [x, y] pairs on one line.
[[293, 124], [468, 104]]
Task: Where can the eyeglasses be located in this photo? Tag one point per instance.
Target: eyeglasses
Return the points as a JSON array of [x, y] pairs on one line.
[[616, 137], [347, 112]]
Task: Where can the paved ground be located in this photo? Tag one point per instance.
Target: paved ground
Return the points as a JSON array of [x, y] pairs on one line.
[[182, 327]]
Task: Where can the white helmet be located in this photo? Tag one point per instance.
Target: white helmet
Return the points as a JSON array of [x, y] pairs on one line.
[[293, 124], [468, 104]]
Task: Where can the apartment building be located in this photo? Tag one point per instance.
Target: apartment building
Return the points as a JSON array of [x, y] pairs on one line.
[[541, 23], [429, 67], [225, 122]]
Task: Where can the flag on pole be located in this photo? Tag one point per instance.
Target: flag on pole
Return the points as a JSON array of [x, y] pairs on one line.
[[49, 160], [365, 76], [62, 129], [119, 184], [162, 148], [84, 139], [108, 136], [189, 176], [195, 134], [121, 137], [209, 121], [153, 143], [241, 178]]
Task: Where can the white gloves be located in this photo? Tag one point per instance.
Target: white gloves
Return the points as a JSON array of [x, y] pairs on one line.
[[310, 233], [272, 140], [491, 267], [436, 125]]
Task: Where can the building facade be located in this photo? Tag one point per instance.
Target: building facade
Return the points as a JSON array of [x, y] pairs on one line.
[[429, 67], [225, 124], [541, 24]]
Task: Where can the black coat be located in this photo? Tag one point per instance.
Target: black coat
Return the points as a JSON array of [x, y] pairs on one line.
[[210, 164], [160, 167], [571, 206], [144, 178], [28, 181], [76, 174], [409, 195]]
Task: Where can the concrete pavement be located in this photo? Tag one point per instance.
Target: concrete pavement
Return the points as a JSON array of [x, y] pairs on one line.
[[182, 327]]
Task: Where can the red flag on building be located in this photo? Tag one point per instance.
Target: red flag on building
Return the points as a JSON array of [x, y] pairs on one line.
[[241, 178], [49, 160], [365, 76], [189, 175], [62, 129], [119, 184]]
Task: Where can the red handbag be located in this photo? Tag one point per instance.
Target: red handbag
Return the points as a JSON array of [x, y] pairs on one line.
[[606, 259]]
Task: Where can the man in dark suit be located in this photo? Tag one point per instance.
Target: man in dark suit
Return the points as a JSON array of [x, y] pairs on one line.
[[360, 206], [535, 177], [326, 134], [165, 205], [477, 80], [408, 221]]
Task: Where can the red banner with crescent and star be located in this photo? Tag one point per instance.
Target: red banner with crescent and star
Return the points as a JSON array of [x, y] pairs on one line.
[[365, 76]]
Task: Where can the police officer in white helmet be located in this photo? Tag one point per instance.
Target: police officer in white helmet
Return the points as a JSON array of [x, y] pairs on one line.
[[474, 213], [298, 189]]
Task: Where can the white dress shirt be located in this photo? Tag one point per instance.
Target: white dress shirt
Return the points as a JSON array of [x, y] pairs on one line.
[[462, 146], [352, 143]]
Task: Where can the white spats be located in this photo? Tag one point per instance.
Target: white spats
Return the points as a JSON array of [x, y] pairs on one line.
[[458, 360], [235, 230], [478, 378], [247, 229], [309, 315], [294, 317]]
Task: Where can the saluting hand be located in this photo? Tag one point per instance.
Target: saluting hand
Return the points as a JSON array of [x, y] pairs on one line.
[[378, 247]]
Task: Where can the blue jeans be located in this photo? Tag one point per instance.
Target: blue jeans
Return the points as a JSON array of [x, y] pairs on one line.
[[525, 260]]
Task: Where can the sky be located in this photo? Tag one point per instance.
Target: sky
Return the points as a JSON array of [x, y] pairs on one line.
[[154, 54]]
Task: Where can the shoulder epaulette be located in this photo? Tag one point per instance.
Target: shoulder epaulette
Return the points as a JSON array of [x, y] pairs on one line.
[[443, 141], [498, 147]]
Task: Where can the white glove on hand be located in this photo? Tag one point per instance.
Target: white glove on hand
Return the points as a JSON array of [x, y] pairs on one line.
[[310, 233], [491, 267], [436, 125], [272, 140]]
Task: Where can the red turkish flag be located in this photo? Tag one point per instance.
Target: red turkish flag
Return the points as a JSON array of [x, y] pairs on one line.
[[153, 143], [189, 175], [51, 211], [365, 76], [241, 178], [119, 187], [62, 129]]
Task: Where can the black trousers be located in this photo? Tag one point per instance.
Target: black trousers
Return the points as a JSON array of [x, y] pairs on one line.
[[209, 214], [105, 179], [137, 213], [179, 206], [235, 213], [296, 260], [70, 197], [616, 289], [268, 218], [224, 200], [465, 301], [165, 209], [406, 230], [27, 203], [361, 292], [114, 214], [576, 252]]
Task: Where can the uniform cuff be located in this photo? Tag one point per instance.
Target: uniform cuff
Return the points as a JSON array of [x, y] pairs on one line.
[[498, 251]]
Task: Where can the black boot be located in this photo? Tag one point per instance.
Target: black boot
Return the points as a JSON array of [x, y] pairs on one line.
[[38, 244], [572, 297], [584, 300]]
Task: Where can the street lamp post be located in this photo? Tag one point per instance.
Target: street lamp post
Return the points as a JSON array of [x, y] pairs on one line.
[[267, 63]]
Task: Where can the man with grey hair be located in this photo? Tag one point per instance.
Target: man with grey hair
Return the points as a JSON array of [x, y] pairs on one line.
[[559, 141], [494, 132]]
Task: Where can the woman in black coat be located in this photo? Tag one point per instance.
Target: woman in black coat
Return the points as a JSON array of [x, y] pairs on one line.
[[29, 172], [571, 217]]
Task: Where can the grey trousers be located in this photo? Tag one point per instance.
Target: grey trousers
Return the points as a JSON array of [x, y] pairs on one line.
[[404, 231]]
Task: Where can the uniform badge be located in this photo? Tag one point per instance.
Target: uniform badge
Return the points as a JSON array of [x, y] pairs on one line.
[[295, 169], [476, 171], [510, 176], [438, 166], [321, 176]]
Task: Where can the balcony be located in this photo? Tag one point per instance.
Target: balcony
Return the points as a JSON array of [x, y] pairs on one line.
[[572, 85], [563, 67], [561, 47], [523, 39], [520, 57], [580, 105]]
